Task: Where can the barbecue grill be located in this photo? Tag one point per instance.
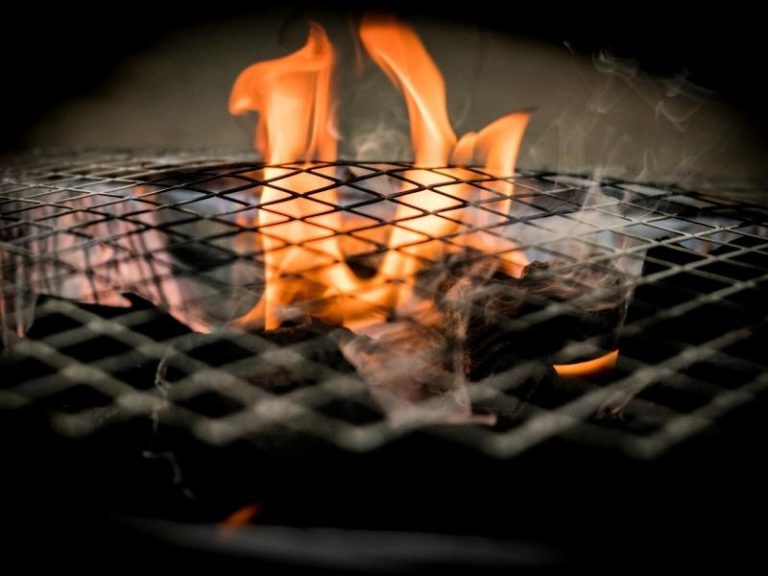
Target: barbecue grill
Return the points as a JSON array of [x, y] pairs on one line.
[[573, 375], [98, 361], [688, 346]]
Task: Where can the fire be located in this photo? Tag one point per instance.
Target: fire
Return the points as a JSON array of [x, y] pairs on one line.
[[593, 367], [293, 97], [397, 50], [305, 266]]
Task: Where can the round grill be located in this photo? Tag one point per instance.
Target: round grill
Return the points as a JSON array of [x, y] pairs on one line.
[[104, 239]]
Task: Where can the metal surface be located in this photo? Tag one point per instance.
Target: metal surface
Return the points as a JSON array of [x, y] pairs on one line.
[[89, 232]]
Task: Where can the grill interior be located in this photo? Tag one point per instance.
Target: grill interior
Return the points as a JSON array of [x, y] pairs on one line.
[[190, 408]]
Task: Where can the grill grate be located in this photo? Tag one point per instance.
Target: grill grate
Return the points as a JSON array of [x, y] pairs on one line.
[[107, 239]]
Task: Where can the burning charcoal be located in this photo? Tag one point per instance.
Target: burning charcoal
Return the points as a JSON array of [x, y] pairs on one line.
[[493, 320], [404, 364], [591, 303], [473, 321]]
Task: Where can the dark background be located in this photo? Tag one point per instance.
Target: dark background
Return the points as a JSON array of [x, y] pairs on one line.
[[54, 52]]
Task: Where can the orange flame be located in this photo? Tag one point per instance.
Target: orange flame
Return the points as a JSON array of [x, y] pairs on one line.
[[304, 262], [240, 517], [397, 50], [293, 96], [593, 367]]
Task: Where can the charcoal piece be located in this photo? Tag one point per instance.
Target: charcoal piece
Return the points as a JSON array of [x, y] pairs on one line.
[[403, 362], [495, 322], [470, 320]]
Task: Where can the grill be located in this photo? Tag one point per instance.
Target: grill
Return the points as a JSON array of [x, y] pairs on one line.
[[101, 256], [171, 227]]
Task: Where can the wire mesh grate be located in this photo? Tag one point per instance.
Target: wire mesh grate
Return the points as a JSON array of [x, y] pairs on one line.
[[124, 275]]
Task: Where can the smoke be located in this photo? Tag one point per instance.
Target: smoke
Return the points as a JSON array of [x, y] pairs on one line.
[[379, 140], [404, 364]]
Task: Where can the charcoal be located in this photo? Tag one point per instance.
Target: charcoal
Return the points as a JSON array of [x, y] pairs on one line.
[[303, 354], [403, 363], [493, 319]]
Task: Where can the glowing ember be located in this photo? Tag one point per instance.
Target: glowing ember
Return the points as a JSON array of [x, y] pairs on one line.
[[593, 367], [241, 517]]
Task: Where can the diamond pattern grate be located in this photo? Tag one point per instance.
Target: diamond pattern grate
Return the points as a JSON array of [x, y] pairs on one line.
[[95, 251]]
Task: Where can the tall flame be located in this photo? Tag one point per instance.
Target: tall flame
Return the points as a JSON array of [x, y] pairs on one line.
[[293, 97], [397, 50]]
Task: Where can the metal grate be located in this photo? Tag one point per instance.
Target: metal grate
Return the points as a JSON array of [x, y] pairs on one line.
[[121, 248]]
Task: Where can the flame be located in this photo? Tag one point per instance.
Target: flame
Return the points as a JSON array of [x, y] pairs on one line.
[[240, 517], [593, 367], [397, 50], [293, 97], [306, 272]]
